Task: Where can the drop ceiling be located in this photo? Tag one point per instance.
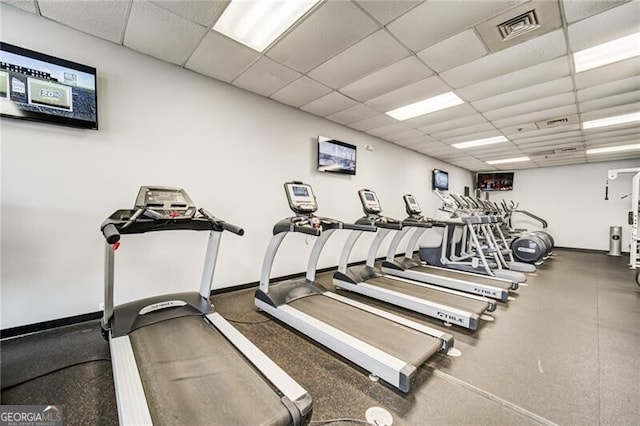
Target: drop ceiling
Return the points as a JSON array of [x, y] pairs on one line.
[[352, 61]]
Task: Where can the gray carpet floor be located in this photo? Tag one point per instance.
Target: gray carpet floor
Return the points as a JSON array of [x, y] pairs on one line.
[[563, 351]]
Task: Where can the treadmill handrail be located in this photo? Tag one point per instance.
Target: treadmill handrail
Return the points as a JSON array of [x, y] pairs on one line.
[[142, 225]]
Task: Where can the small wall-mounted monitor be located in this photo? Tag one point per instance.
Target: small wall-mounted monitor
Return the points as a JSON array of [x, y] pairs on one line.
[[39, 87], [336, 157], [494, 181], [439, 180]]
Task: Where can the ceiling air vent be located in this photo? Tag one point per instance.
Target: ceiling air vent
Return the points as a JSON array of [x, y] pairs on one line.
[[556, 122], [519, 25], [556, 151]]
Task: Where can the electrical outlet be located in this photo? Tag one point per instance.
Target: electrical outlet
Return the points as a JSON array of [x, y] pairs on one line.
[[101, 306]]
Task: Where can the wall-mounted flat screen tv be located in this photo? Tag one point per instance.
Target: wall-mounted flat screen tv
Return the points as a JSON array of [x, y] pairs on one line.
[[39, 87], [336, 157], [494, 181], [439, 180]]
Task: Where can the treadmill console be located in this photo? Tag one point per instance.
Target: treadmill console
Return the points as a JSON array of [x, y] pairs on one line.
[[161, 202], [301, 198], [412, 206], [370, 202]]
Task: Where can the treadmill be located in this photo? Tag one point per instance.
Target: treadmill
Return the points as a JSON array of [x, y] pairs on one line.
[[176, 361], [388, 346], [407, 267], [449, 306]]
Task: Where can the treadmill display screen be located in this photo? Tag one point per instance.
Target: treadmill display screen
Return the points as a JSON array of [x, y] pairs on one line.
[[369, 196], [300, 191]]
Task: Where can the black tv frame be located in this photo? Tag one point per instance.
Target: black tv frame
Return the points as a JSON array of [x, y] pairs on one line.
[[342, 170], [45, 117], [496, 176], [434, 185]]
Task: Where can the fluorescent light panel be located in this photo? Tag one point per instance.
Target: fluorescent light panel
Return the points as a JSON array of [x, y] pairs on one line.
[[610, 149], [480, 142], [611, 121], [607, 53], [426, 106], [508, 160], [258, 23]]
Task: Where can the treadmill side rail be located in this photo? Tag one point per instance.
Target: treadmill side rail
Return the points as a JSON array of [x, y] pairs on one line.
[[132, 403], [277, 376], [387, 367]]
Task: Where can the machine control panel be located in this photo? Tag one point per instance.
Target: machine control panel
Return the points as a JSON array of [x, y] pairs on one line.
[[370, 202], [165, 203], [301, 198], [411, 204]]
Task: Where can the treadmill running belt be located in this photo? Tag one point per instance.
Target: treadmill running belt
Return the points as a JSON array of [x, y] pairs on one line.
[[452, 300], [454, 274], [402, 342], [193, 376]]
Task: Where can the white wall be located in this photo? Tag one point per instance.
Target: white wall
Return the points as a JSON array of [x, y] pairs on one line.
[[571, 199], [231, 150]]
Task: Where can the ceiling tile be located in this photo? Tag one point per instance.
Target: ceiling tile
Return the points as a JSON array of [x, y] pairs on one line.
[[424, 25], [333, 27], [608, 73], [101, 19], [389, 130], [220, 57], [547, 135], [576, 10], [490, 133], [532, 52], [606, 26], [609, 112], [419, 141], [632, 155], [415, 92], [201, 12], [329, 104], [605, 132], [531, 132], [457, 50], [453, 113], [300, 92], [28, 5], [374, 52], [613, 140], [608, 89], [520, 130], [404, 135], [352, 114], [611, 101], [442, 126], [375, 122], [402, 73], [468, 132], [551, 146], [265, 77], [159, 33], [536, 74], [525, 94], [532, 106], [384, 11]]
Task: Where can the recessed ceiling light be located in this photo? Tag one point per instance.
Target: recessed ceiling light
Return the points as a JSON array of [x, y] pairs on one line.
[[508, 160], [610, 121], [480, 142], [609, 149], [426, 106], [607, 53], [258, 23]]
